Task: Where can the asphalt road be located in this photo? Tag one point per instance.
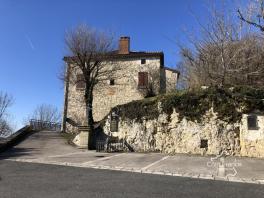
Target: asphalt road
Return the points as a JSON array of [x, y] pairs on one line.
[[24, 180], [51, 148]]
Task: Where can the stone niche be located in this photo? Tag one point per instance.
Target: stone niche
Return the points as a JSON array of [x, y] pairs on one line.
[[210, 136]]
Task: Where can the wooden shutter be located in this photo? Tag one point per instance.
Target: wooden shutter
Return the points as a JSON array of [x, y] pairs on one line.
[[142, 79], [80, 83]]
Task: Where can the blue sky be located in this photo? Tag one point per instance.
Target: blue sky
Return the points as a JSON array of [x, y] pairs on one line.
[[32, 39]]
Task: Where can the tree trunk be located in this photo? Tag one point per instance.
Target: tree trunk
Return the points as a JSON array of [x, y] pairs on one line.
[[89, 111], [90, 121]]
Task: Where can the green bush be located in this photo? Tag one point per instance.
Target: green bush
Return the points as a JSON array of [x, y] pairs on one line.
[[228, 103]]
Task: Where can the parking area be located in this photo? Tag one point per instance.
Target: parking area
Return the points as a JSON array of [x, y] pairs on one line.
[[51, 148]]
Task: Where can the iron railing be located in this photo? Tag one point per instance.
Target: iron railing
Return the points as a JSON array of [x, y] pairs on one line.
[[39, 125], [110, 146]]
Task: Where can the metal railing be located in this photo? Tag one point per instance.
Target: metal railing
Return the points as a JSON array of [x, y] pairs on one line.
[[110, 146], [15, 138], [39, 125]]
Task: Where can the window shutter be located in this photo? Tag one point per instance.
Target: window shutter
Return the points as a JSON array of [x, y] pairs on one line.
[[142, 79], [80, 84], [145, 79]]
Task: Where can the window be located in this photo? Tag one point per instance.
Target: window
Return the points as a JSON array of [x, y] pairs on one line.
[[252, 122], [80, 83], [142, 79], [143, 61], [204, 144], [112, 82], [114, 123]]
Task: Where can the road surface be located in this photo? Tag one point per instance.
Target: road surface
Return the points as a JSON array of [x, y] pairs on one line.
[[24, 180], [71, 176]]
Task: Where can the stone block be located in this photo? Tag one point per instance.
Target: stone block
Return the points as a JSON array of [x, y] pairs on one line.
[[82, 139]]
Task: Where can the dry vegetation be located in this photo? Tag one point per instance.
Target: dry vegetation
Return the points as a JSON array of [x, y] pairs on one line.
[[5, 102], [227, 53]]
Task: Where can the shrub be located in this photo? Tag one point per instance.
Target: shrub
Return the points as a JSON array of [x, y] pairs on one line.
[[228, 103]]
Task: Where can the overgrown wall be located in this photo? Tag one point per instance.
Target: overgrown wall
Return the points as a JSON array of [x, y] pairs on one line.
[[194, 130], [174, 136]]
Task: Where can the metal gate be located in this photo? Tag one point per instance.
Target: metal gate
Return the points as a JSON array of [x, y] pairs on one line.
[[109, 145]]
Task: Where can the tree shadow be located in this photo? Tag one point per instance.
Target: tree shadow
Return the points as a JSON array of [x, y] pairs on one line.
[[17, 152]]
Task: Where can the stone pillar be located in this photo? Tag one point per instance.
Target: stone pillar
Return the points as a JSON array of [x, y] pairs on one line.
[[82, 139]]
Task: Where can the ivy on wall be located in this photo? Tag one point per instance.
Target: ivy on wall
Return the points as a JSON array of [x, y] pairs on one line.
[[228, 103]]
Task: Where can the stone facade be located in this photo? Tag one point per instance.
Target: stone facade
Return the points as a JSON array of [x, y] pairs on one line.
[[125, 88], [171, 78], [122, 88], [209, 137]]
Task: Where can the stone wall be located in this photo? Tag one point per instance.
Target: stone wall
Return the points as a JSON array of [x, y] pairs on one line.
[[125, 89], [252, 141], [170, 80], [211, 136], [107, 96], [76, 108]]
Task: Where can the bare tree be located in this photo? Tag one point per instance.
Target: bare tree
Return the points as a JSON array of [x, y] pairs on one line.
[[5, 128], [254, 14], [5, 102], [223, 55], [45, 112], [89, 57]]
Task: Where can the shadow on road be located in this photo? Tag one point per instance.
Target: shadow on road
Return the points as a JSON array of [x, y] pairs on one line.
[[17, 152], [30, 144]]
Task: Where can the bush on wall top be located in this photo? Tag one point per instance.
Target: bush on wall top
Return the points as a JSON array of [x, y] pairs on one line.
[[228, 103]]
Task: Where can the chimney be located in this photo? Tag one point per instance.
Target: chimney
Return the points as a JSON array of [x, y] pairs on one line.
[[124, 45]]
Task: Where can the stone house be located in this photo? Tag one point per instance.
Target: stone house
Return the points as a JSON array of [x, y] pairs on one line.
[[141, 74]]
